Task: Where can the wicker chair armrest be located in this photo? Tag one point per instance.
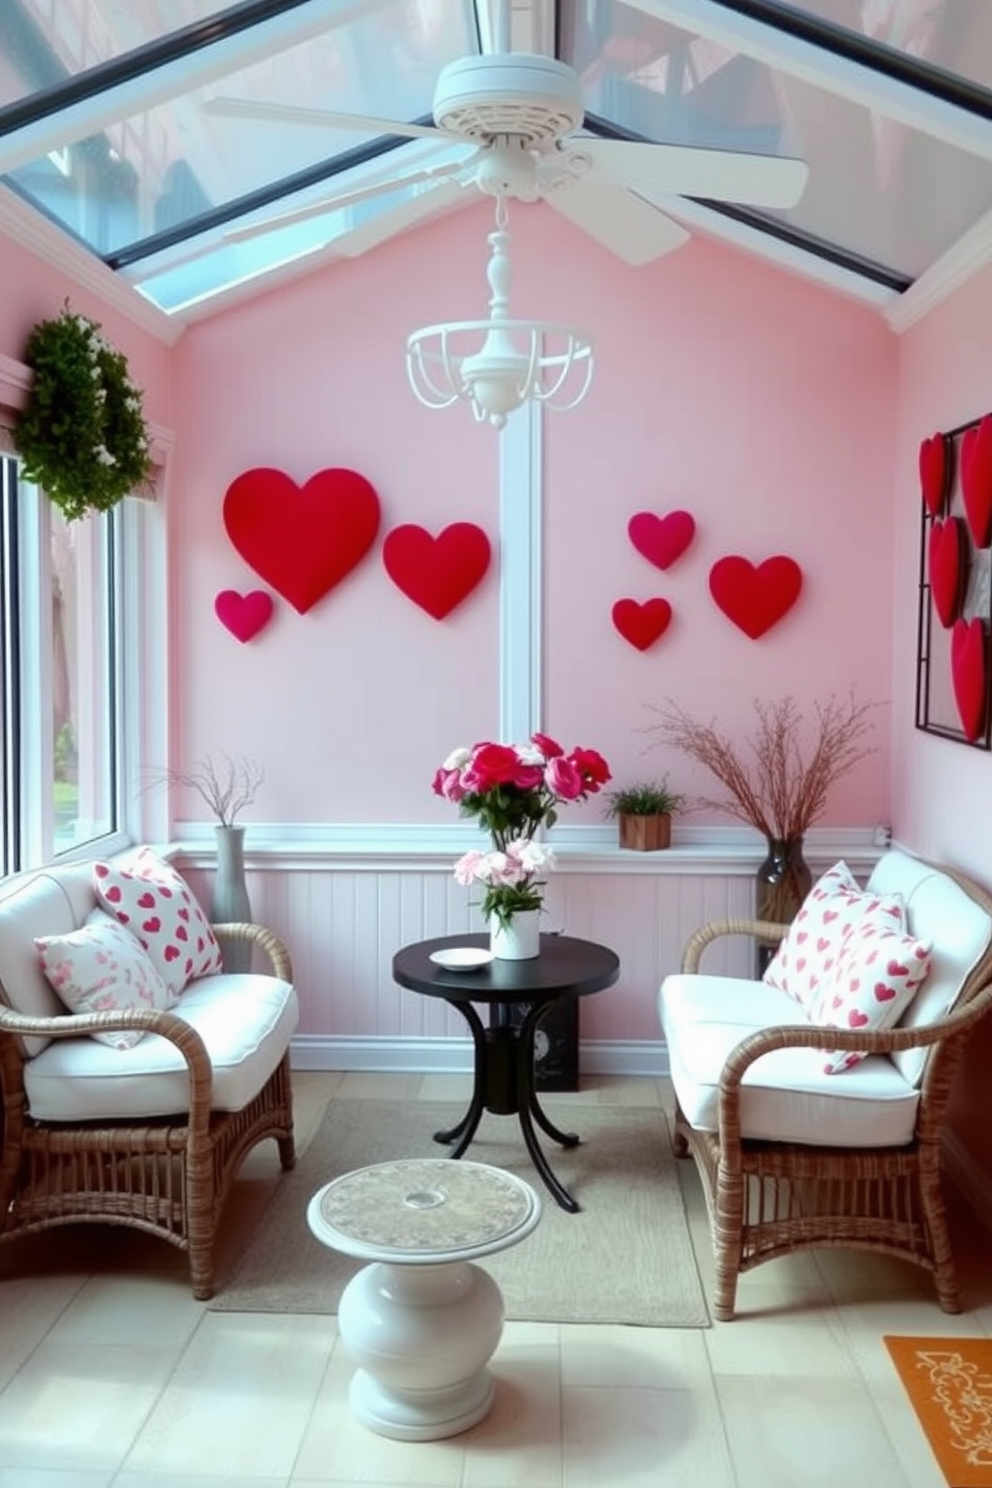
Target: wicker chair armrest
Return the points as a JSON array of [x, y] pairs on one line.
[[266, 940], [768, 930], [150, 1020]]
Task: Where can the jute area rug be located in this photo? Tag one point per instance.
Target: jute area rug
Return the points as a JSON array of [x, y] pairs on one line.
[[626, 1257], [949, 1382]]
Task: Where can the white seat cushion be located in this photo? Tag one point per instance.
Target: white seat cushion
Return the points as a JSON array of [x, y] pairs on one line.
[[245, 1020], [785, 1095]]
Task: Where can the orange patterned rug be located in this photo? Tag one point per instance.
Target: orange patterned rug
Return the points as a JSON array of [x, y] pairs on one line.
[[949, 1381]]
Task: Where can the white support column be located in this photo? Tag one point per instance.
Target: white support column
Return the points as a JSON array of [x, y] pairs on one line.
[[520, 557]]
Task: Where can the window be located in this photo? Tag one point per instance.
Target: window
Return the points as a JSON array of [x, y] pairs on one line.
[[65, 745]]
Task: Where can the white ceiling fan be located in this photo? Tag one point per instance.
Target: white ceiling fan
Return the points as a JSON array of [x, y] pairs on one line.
[[519, 113]]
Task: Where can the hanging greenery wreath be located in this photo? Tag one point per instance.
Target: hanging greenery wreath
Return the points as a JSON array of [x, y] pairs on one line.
[[82, 436]]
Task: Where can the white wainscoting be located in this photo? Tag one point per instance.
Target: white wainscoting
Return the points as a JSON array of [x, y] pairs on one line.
[[345, 899]]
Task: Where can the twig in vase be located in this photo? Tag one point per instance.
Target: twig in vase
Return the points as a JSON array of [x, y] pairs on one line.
[[226, 789]]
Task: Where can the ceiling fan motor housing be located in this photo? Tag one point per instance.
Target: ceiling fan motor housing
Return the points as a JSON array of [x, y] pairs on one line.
[[535, 98]]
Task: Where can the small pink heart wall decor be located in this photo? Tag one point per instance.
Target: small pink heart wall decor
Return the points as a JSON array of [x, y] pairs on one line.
[[935, 468], [755, 597], [642, 624], [945, 563], [661, 540], [969, 675], [302, 540], [976, 480], [437, 573], [244, 615]]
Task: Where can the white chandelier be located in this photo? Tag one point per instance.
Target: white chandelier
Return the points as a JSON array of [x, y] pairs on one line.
[[519, 360]]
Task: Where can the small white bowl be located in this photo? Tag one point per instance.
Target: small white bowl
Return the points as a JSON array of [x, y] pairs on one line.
[[462, 958]]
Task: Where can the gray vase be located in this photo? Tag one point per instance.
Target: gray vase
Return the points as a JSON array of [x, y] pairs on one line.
[[229, 903]]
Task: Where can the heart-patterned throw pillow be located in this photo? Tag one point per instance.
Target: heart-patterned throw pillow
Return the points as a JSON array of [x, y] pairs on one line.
[[149, 898], [102, 968], [806, 957], [877, 974]]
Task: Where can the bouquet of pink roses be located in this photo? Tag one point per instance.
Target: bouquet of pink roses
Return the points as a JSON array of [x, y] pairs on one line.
[[515, 788], [508, 877]]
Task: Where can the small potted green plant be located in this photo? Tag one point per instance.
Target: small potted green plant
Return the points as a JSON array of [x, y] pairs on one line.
[[644, 812]]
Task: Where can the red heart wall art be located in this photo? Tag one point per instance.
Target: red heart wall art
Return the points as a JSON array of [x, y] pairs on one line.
[[969, 672], [302, 540], [661, 540], [935, 468], [244, 615], [946, 565], [642, 624], [976, 480], [755, 597], [437, 573]]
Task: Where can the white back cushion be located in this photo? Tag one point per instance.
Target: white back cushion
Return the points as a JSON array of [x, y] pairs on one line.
[[54, 901], [939, 912]]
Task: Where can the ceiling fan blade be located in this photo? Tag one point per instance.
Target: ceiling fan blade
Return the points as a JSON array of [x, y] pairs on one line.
[[331, 203], [624, 223], [291, 113], [683, 170]]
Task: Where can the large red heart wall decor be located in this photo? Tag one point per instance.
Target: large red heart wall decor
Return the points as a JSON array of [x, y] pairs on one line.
[[976, 480], [244, 615], [947, 570], [302, 540], [968, 672], [661, 540], [755, 596], [437, 573], [935, 469], [642, 624]]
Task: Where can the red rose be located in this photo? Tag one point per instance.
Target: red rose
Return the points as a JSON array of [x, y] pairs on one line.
[[592, 767]]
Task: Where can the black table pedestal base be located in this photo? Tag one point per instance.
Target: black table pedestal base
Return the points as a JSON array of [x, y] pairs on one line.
[[504, 1085]]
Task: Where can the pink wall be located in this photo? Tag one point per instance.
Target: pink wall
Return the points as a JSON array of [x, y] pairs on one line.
[[941, 790], [763, 405], [31, 291]]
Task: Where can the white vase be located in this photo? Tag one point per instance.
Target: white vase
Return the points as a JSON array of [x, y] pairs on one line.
[[519, 939]]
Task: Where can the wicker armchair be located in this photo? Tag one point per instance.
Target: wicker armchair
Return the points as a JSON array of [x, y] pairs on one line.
[[160, 1130], [833, 1182]]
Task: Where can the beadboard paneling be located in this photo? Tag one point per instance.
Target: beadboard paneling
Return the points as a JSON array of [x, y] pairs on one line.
[[343, 925]]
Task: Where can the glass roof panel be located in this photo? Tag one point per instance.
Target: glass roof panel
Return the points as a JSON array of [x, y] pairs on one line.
[[878, 190], [43, 42], [179, 278], [954, 35], [164, 166]]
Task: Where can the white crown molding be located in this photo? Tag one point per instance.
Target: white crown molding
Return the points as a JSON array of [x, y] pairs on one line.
[[55, 246], [774, 250], [965, 258]]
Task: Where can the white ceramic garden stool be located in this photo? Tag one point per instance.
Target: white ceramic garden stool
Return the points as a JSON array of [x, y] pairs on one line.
[[421, 1321]]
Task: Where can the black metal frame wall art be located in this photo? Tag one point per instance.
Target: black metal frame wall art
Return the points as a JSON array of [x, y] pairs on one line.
[[953, 657]]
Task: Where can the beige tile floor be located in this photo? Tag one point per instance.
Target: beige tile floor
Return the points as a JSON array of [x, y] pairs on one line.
[[110, 1374]]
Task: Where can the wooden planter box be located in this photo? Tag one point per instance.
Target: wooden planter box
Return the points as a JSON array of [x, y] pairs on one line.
[[645, 833]]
